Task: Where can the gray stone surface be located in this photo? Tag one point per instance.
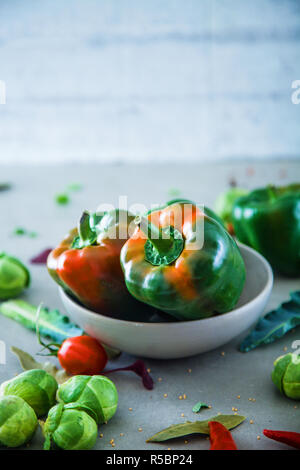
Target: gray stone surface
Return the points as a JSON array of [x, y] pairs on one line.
[[215, 378]]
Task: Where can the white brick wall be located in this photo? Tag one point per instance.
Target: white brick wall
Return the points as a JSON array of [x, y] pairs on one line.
[[148, 80]]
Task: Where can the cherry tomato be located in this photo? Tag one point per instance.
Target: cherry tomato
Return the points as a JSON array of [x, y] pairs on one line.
[[82, 355]]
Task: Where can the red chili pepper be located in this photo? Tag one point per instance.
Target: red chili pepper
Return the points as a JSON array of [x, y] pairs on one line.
[[220, 437], [82, 355], [286, 437]]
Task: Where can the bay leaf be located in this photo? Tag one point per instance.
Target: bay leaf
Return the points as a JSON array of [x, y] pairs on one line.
[[196, 427], [28, 363], [26, 360]]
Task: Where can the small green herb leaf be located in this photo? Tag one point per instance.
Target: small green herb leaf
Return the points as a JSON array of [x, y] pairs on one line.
[[196, 427], [199, 406], [174, 192], [74, 187], [62, 199], [274, 324], [20, 231], [5, 186]]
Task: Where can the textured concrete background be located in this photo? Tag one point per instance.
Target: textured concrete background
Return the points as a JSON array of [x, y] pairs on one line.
[[148, 81], [215, 379]]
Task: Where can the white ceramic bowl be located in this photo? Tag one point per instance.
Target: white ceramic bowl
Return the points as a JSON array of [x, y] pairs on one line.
[[171, 340]]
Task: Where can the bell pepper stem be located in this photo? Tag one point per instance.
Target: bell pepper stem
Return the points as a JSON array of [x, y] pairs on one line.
[[155, 235], [84, 229]]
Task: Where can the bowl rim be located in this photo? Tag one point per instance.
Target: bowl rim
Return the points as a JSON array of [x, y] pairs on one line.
[[203, 321]]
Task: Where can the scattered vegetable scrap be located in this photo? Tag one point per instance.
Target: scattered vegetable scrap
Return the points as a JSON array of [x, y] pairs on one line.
[[62, 199], [138, 368], [20, 231], [74, 187], [5, 186], [42, 257], [286, 437], [52, 323], [199, 406], [274, 324], [196, 427], [220, 437], [174, 192]]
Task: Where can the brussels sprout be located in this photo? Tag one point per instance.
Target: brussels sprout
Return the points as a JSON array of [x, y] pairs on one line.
[[18, 421], [36, 387], [97, 393], [14, 277], [69, 428], [286, 375]]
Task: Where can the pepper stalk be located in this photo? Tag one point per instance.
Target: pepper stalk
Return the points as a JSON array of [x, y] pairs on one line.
[[163, 246]]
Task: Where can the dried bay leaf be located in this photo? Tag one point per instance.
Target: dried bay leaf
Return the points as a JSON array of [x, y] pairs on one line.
[[196, 427], [28, 363]]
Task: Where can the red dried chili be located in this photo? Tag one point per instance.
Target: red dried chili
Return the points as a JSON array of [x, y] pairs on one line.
[[220, 437], [290, 438]]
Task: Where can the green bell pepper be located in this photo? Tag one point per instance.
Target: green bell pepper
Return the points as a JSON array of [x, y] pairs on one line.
[[268, 220]]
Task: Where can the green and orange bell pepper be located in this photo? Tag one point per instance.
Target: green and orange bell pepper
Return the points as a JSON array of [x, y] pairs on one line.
[[86, 264], [168, 268]]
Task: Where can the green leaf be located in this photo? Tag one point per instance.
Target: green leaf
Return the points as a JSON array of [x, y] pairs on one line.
[[74, 187], [62, 199], [196, 427], [5, 186], [174, 192], [52, 323], [274, 324], [198, 406], [20, 231], [28, 363]]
